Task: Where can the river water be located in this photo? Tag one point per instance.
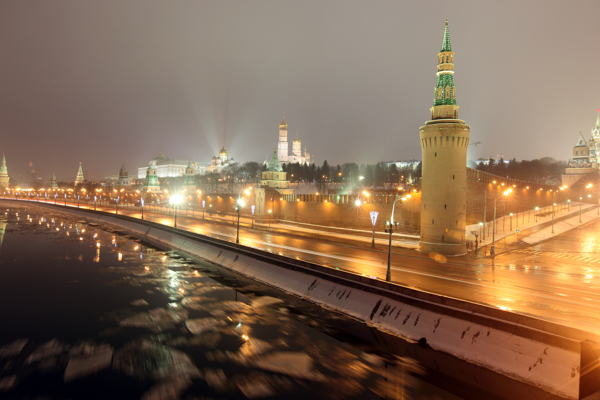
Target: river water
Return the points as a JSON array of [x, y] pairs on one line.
[[87, 312]]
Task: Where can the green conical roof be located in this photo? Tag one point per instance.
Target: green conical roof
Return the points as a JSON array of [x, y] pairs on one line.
[[274, 164], [3, 166], [598, 121], [123, 169], [80, 170], [445, 80], [446, 45]]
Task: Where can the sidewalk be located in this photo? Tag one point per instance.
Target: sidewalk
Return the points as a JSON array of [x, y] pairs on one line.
[[523, 222], [561, 227]]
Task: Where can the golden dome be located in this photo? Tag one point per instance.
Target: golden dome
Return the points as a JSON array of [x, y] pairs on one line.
[[283, 124], [297, 140], [223, 152]]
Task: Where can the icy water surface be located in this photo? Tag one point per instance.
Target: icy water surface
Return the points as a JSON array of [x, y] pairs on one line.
[[92, 314], [87, 312]]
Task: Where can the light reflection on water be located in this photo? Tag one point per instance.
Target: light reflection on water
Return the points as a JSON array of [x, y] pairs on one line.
[[143, 322]]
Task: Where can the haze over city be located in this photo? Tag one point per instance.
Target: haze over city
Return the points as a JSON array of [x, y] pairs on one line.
[[112, 82]]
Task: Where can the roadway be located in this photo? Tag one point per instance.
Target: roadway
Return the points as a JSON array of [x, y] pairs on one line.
[[556, 280]]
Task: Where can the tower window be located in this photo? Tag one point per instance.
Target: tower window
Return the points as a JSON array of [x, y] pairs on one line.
[[432, 223], [435, 154], [452, 176], [444, 206]]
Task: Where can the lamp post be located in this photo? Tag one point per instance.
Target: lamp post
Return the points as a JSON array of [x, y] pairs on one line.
[[95, 199], [77, 201], [175, 200], [65, 199], [535, 214], [390, 227], [142, 202], [373, 215], [493, 249], [203, 204], [252, 208], [240, 204]]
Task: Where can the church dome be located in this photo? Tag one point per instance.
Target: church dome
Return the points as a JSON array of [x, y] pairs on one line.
[[223, 152], [283, 124]]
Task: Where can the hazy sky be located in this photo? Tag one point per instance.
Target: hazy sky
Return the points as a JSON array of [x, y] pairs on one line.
[[107, 82]]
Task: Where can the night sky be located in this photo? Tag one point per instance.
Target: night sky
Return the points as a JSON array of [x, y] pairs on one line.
[[107, 82]]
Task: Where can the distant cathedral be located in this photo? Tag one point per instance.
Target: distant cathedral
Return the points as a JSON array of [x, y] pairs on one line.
[[283, 150], [584, 161]]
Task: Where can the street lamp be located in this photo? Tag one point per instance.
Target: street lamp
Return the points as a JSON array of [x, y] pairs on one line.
[[142, 202], [535, 215], [493, 249], [240, 204], [175, 201], [390, 227]]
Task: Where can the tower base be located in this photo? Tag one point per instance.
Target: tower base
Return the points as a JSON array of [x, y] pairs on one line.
[[445, 249]]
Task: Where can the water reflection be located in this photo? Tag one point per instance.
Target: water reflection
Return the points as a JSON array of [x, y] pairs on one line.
[[144, 322]]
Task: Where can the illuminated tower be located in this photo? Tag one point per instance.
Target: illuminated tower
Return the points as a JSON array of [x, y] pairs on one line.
[[79, 179], [53, 183], [444, 142], [282, 146], [297, 147], [223, 155], [189, 180], [4, 174], [151, 184], [123, 182]]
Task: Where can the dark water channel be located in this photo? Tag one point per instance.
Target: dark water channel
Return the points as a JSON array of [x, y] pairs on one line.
[[87, 312]]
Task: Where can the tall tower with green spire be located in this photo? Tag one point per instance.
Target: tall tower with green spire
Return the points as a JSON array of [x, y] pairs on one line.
[[444, 143], [4, 173], [79, 179], [151, 184]]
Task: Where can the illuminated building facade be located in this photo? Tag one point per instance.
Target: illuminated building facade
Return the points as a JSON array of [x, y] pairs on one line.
[[167, 167], [444, 142], [283, 150], [218, 163], [585, 157]]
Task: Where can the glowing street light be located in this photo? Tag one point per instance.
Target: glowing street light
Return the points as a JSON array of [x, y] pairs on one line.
[[175, 200], [493, 249], [240, 204]]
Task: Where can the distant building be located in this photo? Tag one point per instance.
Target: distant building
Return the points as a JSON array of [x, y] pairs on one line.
[[189, 181], [218, 163], [4, 174], [123, 181], [151, 185], [79, 180], [584, 160], [167, 167], [274, 177], [53, 182], [283, 151]]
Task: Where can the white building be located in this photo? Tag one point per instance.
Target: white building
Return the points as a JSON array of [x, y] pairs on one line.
[[218, 163], [283, 150], [167, 168]]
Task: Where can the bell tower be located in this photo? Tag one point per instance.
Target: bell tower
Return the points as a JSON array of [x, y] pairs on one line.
[[444, 142]]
